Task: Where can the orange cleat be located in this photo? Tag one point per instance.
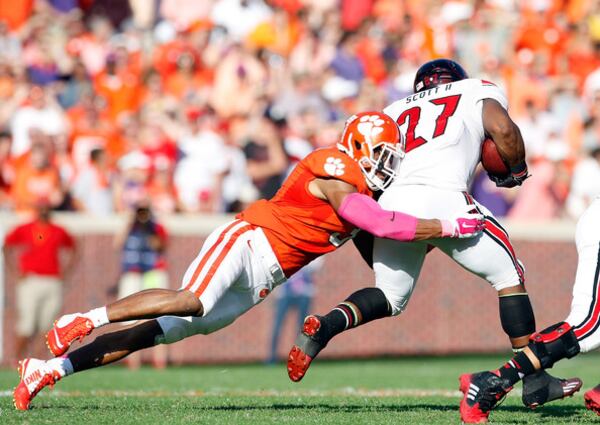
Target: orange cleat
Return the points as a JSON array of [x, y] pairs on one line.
[[482, 392], [66, 330], [35, 375], [592, 399], [305, 349]]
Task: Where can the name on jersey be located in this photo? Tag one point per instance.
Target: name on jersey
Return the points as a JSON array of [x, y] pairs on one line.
[[430, 92]]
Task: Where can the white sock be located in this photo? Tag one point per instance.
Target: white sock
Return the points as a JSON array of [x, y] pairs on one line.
[[62, 365], [98, 316]]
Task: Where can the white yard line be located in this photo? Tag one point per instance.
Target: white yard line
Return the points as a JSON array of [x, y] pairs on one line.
[[349, 391]]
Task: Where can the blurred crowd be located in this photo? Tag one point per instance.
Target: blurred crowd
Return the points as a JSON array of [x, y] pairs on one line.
[[204, 106]]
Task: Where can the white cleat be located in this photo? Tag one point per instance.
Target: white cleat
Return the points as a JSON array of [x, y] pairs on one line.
[[35, 375]]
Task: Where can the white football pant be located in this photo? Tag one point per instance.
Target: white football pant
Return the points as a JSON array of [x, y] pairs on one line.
[[235, 270], [397, 264], [585, 307]]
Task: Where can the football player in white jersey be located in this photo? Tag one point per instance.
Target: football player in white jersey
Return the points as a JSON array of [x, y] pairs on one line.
[[444, 124], [579, 332]]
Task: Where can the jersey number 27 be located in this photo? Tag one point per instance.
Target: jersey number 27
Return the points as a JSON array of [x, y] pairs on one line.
[[413, 115]]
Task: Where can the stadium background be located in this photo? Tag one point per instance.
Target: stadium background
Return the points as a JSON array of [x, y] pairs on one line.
[[202, 107]]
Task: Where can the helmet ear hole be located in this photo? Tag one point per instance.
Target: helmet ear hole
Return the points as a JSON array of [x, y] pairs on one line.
[[357, 145]]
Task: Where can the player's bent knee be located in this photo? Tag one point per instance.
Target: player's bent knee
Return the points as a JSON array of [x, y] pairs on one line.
[[516, 315], [174, 329], [554, 343], [397, 304], [507, 280], [189, 304]]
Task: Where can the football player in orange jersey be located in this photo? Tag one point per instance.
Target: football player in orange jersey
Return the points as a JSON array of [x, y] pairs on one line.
[[326, 198]]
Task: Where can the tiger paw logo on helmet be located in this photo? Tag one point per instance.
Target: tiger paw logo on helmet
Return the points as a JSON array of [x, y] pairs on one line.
[[334, 166], [370, 126]]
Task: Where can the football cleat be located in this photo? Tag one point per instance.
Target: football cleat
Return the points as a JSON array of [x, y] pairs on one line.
[[35, 375], [482, 392], [305, 349], [541, 388], [592, 399], [65, 331]]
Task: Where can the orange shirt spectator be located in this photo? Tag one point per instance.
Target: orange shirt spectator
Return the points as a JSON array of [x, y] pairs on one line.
[[120, 89], [36, 180], [91, 129], [521, 89], [369, 54], [15, 13], [188, 79], [581, 58], [279, 34]]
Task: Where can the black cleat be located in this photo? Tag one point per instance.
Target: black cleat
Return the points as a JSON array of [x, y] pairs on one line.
[[305, 349], [541, 388]]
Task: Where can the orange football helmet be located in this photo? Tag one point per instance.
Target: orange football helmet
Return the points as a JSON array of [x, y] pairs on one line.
[[373, 140]]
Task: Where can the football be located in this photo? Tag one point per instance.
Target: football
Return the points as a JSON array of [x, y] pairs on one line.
[[491, 159]]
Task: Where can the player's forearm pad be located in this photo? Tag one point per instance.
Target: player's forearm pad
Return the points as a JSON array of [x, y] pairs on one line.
[[554, 343], [516, 315], [365, 213]]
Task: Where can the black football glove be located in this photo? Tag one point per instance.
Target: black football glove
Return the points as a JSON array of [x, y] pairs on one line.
[[509, 180], [518, 174]]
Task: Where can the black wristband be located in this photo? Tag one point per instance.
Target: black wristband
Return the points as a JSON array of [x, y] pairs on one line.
[[519, 170]]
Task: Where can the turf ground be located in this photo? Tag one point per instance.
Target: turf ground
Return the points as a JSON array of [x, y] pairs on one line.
[[390, 391]]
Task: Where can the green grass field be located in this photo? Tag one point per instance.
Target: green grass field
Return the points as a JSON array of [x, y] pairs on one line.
[[390, 391]]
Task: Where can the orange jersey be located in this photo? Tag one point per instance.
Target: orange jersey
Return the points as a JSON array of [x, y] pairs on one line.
[[299, 226]]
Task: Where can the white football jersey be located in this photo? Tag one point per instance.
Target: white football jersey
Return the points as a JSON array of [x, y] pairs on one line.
[[443, 130]]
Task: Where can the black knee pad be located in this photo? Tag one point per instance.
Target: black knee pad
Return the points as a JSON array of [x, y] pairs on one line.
[[554, 343], [372, 304], [516, 315]]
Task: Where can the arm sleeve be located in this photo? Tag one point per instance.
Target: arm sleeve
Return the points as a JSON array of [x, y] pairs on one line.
[[366, 214]]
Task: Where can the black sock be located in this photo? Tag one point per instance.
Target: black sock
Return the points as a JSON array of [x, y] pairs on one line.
[[361, 307], [131, 339], [516, 368]]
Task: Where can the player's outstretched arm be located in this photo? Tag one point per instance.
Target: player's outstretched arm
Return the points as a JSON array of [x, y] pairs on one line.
[[365, 213], [509, 142]]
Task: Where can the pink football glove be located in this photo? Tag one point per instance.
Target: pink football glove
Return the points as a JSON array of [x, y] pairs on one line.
[[466, 223]]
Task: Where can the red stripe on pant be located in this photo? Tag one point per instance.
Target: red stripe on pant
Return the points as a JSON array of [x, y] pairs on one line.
[[469, 198], [209, 253], [587, 326], [502, 238], [215, 265]]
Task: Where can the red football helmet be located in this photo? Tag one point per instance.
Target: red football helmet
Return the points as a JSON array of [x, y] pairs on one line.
[[373, 140]]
